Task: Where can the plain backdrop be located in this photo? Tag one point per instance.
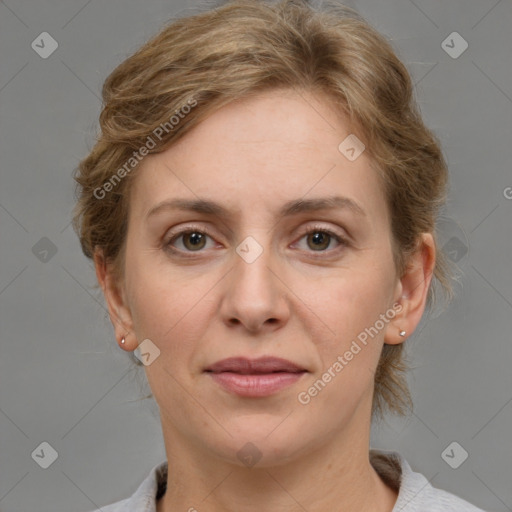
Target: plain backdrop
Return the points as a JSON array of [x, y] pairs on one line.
[[63, 379]]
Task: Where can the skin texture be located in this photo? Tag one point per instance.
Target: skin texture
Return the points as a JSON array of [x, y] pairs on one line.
[[301, 299]]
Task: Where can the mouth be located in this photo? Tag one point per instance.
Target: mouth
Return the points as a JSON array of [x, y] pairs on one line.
[[244, 366], [255, 377]]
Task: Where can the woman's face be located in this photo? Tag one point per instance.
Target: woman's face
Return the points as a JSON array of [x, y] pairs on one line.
[[248, 281]]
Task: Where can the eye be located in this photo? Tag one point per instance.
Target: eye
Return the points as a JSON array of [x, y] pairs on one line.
[[318, 239], [192, 240]]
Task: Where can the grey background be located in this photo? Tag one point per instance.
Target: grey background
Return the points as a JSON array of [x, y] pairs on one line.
[[63, 378]]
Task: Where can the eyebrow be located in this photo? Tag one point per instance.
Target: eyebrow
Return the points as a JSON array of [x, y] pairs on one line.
[[292, 207]]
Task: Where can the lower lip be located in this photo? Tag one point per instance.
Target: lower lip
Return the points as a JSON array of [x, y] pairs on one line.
[[255, 385]]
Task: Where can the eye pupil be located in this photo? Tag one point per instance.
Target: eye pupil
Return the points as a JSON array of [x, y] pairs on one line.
[[194, 239], [320, 240]]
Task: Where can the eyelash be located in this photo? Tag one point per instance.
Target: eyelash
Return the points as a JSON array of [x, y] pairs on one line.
[[343, 242]]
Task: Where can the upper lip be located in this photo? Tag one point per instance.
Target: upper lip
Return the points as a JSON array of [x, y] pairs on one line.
[[247, 366]]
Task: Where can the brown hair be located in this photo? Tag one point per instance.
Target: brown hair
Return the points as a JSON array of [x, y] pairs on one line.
[[195, 65]]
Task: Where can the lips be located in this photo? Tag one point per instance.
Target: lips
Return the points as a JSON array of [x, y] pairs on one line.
[[253, 378], [262, 365]]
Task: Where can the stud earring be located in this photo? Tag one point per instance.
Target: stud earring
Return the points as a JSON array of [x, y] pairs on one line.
[[123, 340], [402, 333]]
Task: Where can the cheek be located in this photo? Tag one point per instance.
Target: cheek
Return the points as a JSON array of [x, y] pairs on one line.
[[353, 299], [166, 307], [344, 320], [349, 357]]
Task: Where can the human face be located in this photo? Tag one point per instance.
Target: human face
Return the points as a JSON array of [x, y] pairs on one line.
[[305, 298]]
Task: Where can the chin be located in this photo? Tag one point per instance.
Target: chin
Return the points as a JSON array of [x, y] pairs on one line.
[[259, 442]]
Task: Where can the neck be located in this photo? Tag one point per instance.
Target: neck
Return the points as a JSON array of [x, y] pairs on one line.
[[336, 475]]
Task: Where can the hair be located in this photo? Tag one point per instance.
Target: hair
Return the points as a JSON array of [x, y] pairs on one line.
[[197, 64]]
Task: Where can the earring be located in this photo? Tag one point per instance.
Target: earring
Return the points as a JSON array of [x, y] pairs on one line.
[[123, 340], [402, 333]]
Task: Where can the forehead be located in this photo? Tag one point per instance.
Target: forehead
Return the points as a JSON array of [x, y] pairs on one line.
[[261, 151]]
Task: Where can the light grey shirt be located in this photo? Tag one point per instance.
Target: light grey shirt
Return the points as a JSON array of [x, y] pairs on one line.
[[415, 493]]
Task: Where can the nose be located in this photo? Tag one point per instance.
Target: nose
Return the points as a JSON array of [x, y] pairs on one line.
[[255, 294]]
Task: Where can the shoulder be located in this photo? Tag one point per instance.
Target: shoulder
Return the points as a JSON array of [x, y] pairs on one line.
[[415, 493], [146, 495], [118, 506]]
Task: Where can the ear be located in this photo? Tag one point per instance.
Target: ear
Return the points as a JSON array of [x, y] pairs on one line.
[[118, 310], [412, 291]]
